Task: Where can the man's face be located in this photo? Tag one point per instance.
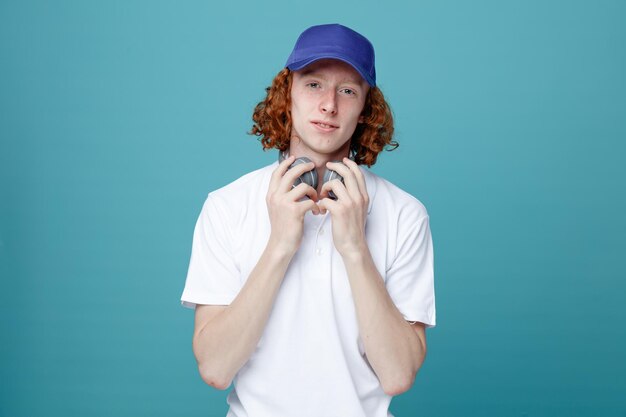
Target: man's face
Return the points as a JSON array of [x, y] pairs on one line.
[[327, 98]]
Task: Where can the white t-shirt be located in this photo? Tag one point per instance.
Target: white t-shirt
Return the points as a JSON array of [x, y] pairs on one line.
[[310, 360]]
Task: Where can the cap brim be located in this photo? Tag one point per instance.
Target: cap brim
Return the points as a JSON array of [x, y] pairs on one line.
[[298, 65]]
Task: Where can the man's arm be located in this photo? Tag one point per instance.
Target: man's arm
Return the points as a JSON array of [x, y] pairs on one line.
[[225, 337], [394, 348]]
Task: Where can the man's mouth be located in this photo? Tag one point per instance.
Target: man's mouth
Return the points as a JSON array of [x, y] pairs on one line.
[[324, 125]]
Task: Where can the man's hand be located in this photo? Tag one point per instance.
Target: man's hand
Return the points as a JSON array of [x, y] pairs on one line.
[[349, 211], [394, 349], [226, 336], [285, 209]]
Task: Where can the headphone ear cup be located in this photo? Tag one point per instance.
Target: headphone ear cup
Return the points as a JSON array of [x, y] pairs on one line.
[[330, 175], [309, 177]]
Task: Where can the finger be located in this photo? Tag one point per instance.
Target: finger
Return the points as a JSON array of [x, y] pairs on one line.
[[326, 204], [358, 174], [292, 174], [302, 190], [307, 205], [348, 176], [338, 188], [279, 172]]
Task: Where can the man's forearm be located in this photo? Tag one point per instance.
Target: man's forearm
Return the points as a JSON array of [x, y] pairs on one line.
[[227, 341], [392, 346]]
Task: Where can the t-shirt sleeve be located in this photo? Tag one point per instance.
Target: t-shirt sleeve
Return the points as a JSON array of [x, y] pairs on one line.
[[410, 279], [213, 274]]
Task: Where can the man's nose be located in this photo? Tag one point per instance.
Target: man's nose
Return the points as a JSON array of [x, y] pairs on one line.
[[329, 103]]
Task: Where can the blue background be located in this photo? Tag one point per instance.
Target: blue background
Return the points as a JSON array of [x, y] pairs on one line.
[[118, 117]]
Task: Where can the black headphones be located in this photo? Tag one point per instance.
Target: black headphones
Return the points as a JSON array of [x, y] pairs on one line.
[[310, 177]]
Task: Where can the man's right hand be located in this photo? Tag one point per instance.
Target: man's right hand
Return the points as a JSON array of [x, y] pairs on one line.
[[284, 206], [226, 336]]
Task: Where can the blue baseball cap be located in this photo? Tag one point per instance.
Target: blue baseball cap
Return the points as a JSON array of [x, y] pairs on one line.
[[337, 42]]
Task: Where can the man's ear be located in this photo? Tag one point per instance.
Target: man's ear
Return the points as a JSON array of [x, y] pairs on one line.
[[361, 118]]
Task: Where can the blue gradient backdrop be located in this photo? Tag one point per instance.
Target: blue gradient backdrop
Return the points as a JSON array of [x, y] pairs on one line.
[[118, 117]]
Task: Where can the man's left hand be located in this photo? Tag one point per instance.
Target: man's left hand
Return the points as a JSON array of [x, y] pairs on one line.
[[349, 211]]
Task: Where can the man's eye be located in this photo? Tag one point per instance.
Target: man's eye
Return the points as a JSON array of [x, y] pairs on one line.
[[348, 91], [313, 85]]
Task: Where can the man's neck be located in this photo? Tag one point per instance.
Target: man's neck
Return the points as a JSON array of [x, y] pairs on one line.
[[319, 159]]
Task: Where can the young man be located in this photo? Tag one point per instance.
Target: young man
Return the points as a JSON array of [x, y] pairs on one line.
[[312, 305]]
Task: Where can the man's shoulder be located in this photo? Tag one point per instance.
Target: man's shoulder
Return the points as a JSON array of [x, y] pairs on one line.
[[251, 182], [249, 189], [391, 197]]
